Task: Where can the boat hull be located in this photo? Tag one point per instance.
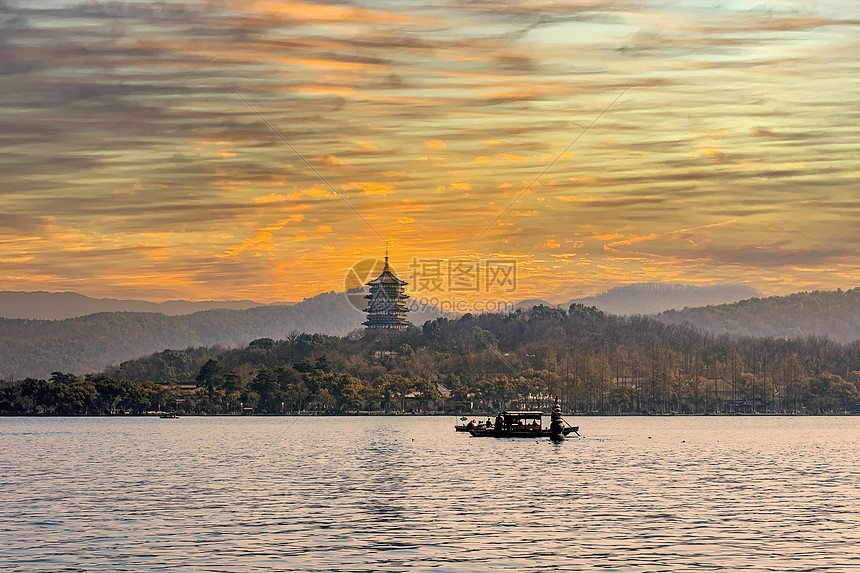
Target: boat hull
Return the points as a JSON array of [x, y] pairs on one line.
[[542, 433]]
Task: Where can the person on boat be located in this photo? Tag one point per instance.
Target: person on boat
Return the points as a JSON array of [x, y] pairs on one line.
[[470, 425], [499, 422], [489, 423]]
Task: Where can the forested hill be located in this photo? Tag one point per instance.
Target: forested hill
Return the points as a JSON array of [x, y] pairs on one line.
[[835, 314], [91, 343], [651, 298], [592, 361]]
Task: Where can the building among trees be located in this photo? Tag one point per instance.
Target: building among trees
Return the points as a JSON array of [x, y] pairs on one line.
[[386, 308]]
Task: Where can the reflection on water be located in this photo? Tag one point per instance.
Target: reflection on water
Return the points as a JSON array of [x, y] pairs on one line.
[[408, 493]]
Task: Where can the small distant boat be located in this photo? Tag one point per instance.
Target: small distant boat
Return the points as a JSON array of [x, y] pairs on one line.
[[168, 415], [527, 424]]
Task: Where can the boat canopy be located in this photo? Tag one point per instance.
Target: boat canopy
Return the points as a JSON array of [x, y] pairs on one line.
[[532, 418]]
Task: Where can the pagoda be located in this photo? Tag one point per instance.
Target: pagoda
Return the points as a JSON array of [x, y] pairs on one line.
[[387, 307]]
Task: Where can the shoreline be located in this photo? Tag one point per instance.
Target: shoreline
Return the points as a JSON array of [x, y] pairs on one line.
[[432, 415]]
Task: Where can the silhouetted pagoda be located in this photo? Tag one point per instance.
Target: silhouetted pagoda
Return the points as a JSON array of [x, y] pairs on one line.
[[387, 306]]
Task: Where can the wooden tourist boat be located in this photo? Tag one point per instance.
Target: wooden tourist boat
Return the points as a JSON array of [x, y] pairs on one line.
[[526, 424]]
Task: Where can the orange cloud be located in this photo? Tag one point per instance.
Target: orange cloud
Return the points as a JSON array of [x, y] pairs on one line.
[[678, 234], [367, 187], [715, 154], [342, 91], [331, 64], [506, 157], [270, 198], [365, 147], [312, 193], [329, 160], [324, 12], [17, 259], [511, 157], [262, 241], [435, 144]]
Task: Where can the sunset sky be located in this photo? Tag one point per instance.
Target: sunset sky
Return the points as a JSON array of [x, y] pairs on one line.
[[129, 168]]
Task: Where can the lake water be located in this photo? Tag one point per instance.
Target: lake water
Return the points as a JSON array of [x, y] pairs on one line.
[[410, 494]]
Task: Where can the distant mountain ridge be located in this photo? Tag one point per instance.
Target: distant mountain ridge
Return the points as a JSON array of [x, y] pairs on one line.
[[639, 298], [90, 343], [41, 305], [835, 314], [651, 298]]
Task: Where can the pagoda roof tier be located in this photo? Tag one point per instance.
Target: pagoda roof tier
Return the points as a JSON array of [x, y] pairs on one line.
[[387, 318], [394, 312], [387, 311], [387, 277], [398, 296], [395, 324]]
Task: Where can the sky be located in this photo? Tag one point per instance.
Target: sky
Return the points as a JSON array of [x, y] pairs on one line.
[[241, 149]]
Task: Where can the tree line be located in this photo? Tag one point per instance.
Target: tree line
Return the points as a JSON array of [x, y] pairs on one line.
[[595, 363]]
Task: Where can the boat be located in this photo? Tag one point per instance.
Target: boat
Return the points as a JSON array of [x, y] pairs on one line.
[[527, 424], [168, 415]]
